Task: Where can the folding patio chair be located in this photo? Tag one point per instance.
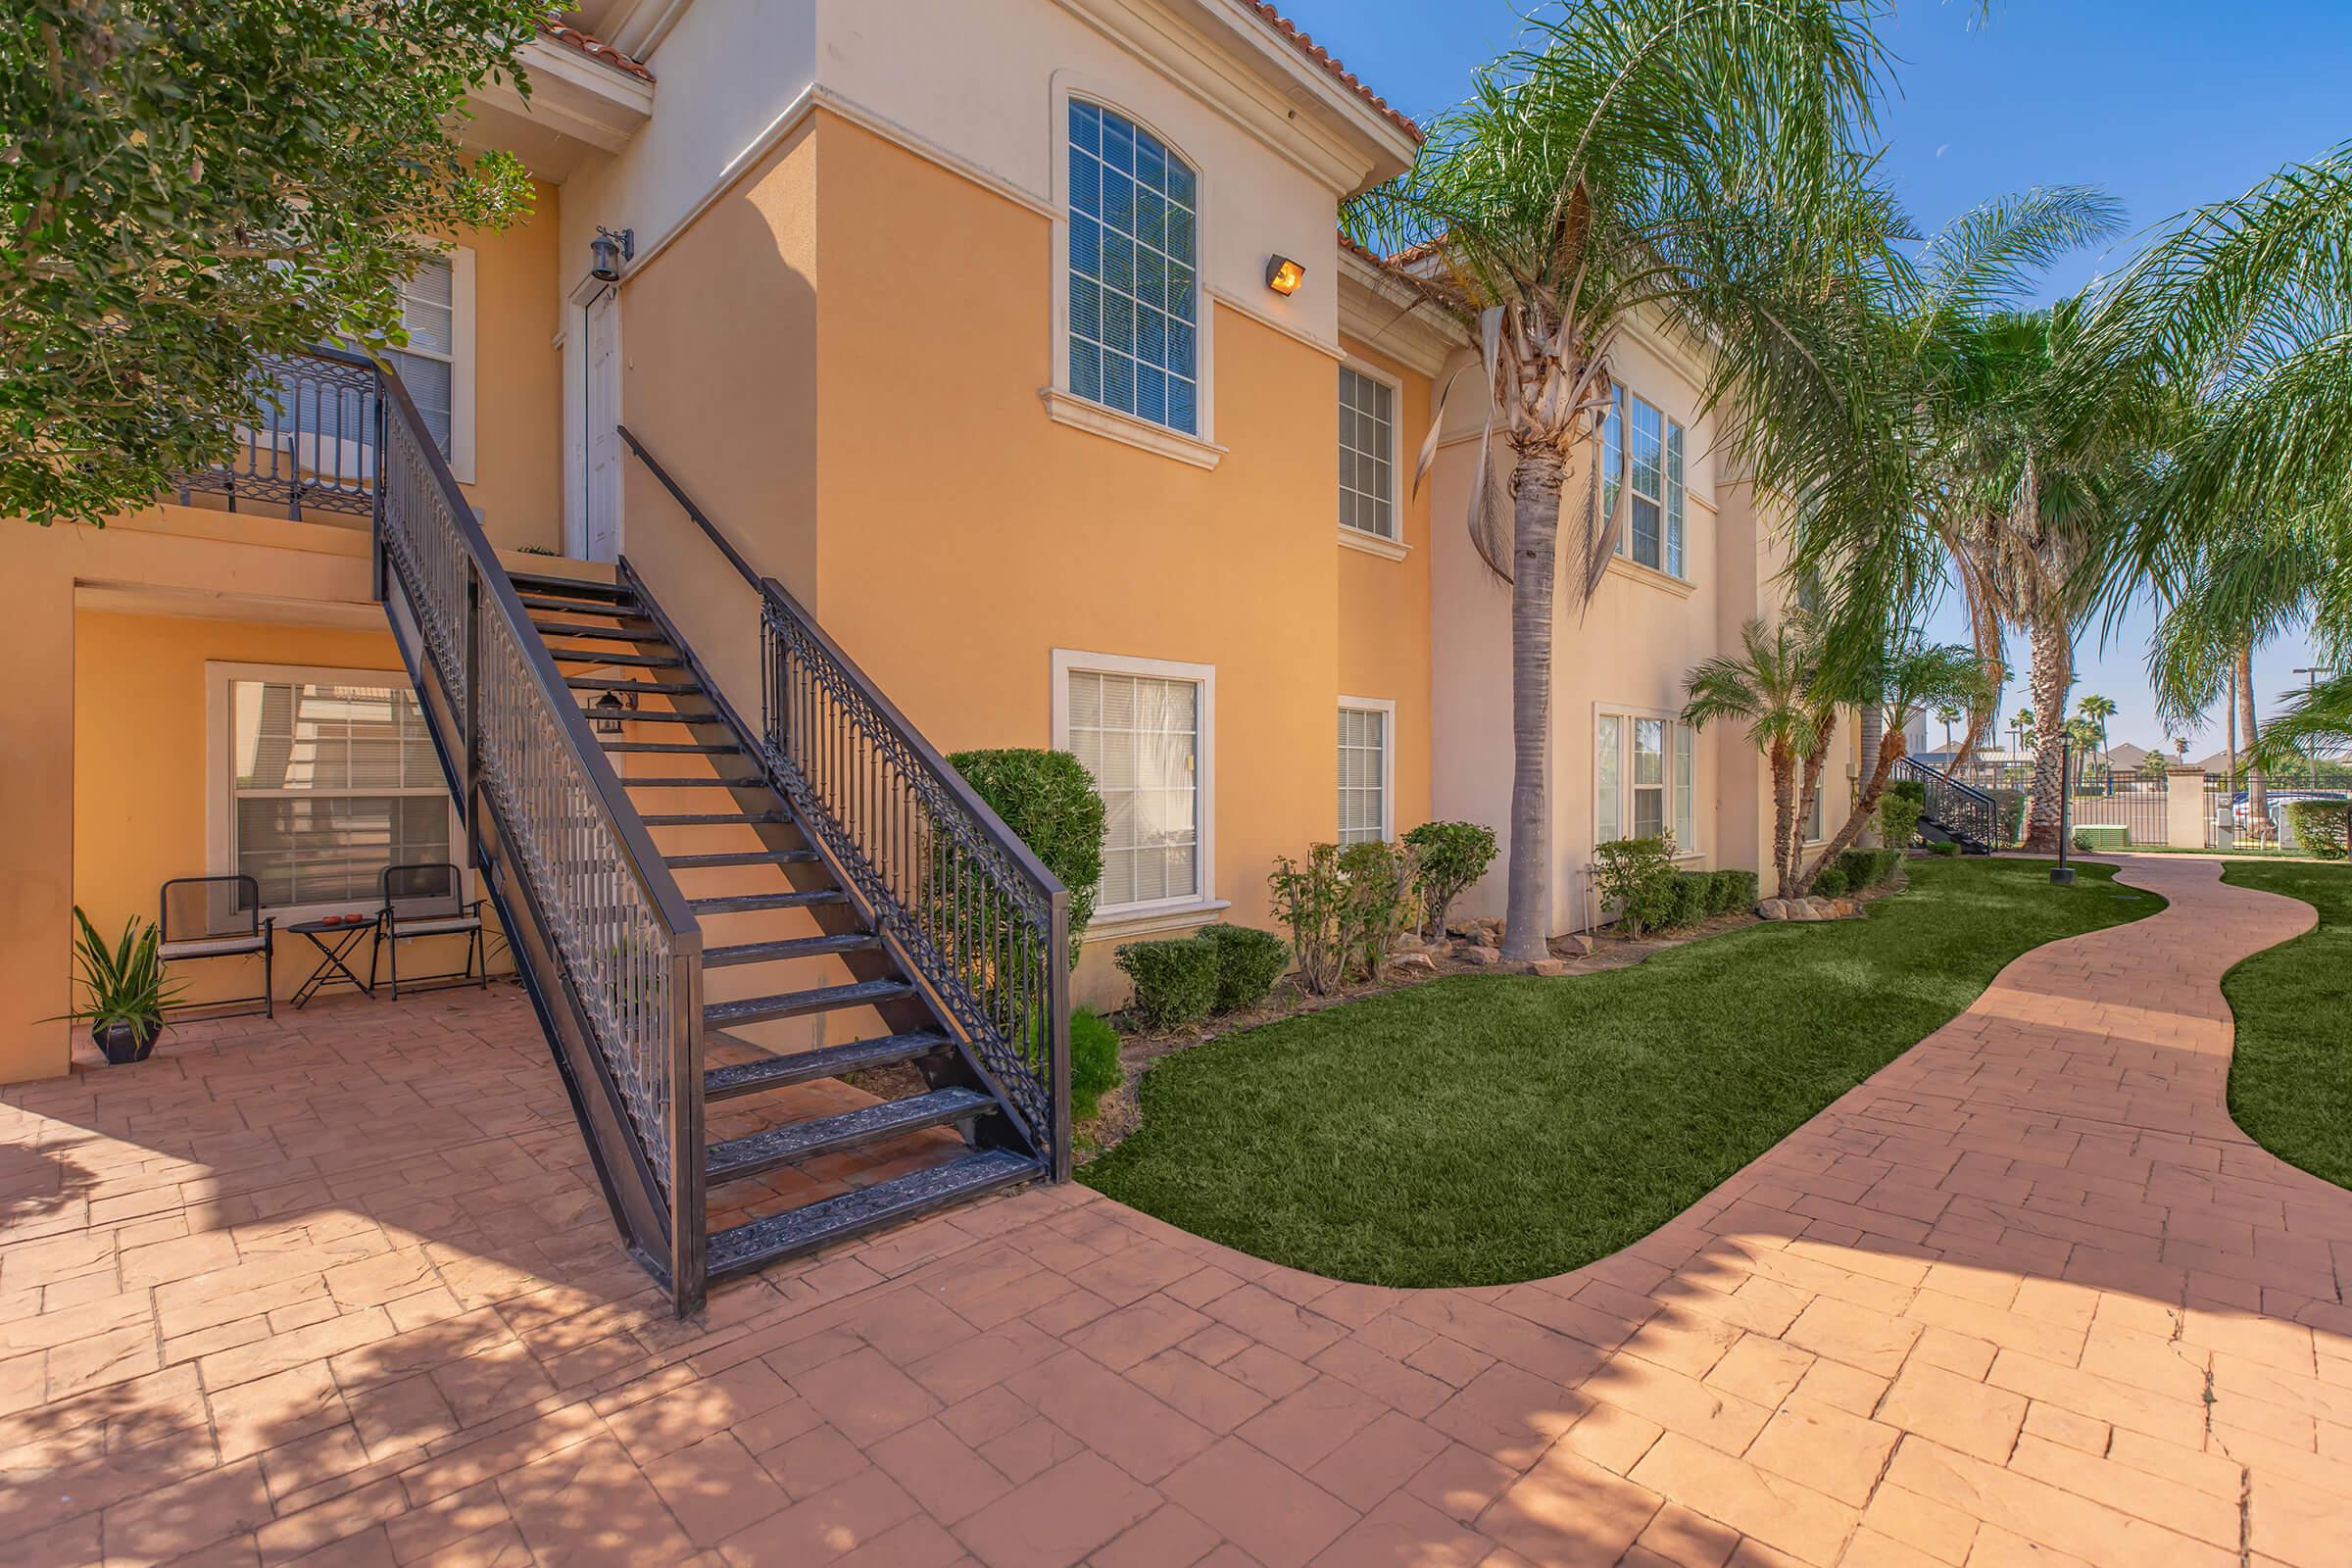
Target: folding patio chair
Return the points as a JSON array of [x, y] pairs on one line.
[[427, 900], [218, 917]]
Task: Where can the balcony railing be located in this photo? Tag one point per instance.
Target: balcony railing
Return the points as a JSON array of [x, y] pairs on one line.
[[307, 444]]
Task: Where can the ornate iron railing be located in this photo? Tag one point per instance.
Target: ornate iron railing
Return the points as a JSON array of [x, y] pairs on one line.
[[1969, 814], [309, 442], [538, 790], [977, 918]]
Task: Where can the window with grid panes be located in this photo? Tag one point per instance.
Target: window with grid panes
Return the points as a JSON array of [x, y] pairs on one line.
[[1367, 454], [1363, 774], [1134, 281], [429, 364], [1140, 736], [329, 784], [1640, 447]]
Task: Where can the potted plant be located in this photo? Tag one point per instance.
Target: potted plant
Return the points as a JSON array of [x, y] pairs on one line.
[[124, 987]]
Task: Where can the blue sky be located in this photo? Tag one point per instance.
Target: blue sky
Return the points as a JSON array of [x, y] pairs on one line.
[[2165, 104]]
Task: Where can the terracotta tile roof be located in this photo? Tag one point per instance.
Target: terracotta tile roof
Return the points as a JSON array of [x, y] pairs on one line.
[[1323, 57], [594, 49]]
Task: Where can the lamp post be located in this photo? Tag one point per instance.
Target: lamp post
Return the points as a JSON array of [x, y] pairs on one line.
[[2062, 873]]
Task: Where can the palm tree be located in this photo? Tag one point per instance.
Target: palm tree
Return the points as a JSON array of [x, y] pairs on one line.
[[1910, 672], [2021, 725], [1691, 163], [2099, 709], [1951, 714], [1771, 685]]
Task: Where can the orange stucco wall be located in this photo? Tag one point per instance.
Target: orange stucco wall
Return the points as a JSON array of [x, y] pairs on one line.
[[1384, 604], [519, 401]]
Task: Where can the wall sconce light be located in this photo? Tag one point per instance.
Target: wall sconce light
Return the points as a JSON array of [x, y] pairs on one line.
[[1283, 275], [611, 248], [606, 713]]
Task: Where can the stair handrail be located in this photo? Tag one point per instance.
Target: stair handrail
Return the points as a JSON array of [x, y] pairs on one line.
[[627, 941], [976, 915], [1964, 808]]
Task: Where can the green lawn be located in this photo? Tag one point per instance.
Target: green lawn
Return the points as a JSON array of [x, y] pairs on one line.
[[2290, 1081], [1484, 1129]]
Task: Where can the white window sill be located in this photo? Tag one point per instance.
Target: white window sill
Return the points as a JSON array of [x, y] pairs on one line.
[[1081, 413], [1626, 567], [1372, 544], [1155, 920]]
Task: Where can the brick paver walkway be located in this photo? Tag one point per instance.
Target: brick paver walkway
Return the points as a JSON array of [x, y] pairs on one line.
[[338, 1290]]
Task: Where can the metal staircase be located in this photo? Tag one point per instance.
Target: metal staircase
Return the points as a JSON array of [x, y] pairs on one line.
[[856, 908], [1955, 811]]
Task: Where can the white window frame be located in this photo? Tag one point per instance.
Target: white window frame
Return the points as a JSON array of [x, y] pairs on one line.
[[1385, 707], [463, 360], [1198, 448], [220, 791], [1070, 661], [1390, 547], [1621, 414], [1626, 713]]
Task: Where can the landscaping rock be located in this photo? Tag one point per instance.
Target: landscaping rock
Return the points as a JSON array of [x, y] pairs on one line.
[[1415, 960], [1582, 942], [1543, 966], [1476, 953], [1485, 931], [1773, 910]]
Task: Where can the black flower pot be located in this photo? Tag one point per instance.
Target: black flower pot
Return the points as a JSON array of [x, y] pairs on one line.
[[121, 1043]]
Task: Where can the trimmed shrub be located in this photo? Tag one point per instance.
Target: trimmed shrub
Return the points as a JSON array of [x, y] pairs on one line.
[[2318, 826], [1095, 1069], [1942, 847], [1734, 889], [1049, 801], [1175, 981], [1831, 883], [1693, 893], [1899, 812], [1248, 962], [1383, 901], [1311, 898], [1867, 868], [1637, 876], [1453, 854]]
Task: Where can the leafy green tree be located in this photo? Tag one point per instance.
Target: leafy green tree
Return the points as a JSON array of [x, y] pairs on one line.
[[189, 187], [1910, 672], [1693, 164]]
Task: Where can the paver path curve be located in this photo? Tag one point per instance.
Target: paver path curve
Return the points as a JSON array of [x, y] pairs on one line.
[[340, 1286]]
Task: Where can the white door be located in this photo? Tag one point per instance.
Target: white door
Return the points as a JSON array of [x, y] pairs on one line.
[[601, 486]]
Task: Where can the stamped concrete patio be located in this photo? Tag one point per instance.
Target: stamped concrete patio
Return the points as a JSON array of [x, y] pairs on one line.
[[341, 1289]]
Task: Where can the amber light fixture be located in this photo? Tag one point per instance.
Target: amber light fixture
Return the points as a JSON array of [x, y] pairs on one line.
[[1283, 275]]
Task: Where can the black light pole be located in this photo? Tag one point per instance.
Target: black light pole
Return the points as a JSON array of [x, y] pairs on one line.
[[2062, 873]]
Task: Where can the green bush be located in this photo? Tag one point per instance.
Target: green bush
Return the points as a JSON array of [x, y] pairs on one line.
[[1175, 981], [1899, 812], [1867, 868], [1095, 1069], [1311, 898], [1637, 876], [1248, 962], [1734, 889], [1453, 854], [2318, 826], [1049, 801], [1383, 899], [1831, 883], [1942, 847], [1693, 893], [2011, 807]]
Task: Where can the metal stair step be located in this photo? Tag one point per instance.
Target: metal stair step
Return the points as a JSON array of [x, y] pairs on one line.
[[623, 608], [790, 948], [797, 1003], [608, 634], [705, 862], [712, 819], [631, 782], [749, 903], [740, 1248], [673, 748], [545, 582], [856, 1056], [640, 717], [596, 656], [648, 688], [740, 1157]]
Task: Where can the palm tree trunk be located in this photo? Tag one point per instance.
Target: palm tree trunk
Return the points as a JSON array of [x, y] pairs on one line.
[[2258, 795], [1892, 748], [1784, 813], [1792, 842], [1535, 555], [2053, 673]]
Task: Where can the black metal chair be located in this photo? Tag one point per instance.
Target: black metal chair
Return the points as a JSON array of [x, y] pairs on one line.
[[427, 900], [218, 917]]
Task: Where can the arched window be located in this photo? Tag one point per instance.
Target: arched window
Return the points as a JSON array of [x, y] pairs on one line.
[[1135, 341]]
